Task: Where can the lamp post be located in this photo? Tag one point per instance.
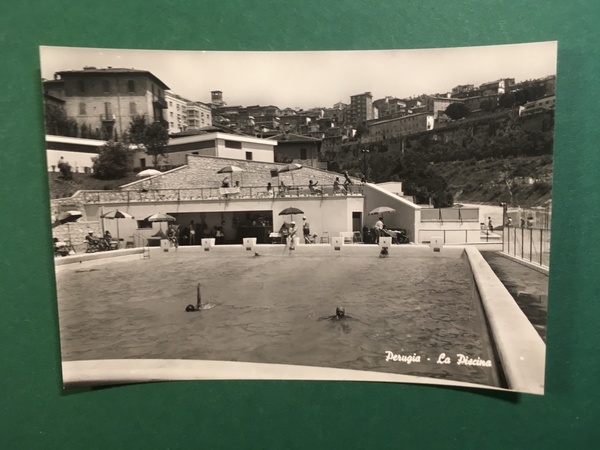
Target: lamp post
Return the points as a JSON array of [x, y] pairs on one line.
[[364, 152]]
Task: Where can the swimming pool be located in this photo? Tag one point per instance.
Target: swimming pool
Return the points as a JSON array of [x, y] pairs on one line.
[[414, 302]]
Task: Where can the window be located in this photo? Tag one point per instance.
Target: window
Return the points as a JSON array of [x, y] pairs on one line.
[[131, 86], [80, 86], [143, 224], [132, 108], [171, 113], [142, 162], [249, 156], [82, 109], [177, 107], [106, 85], [170, 104], [234, 144]]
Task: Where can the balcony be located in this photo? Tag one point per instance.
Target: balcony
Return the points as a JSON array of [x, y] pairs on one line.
[[110, 118], [160, 101]]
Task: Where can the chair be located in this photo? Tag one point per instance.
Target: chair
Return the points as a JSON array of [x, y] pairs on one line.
[[325, 238], [357, 237], [347, 236]]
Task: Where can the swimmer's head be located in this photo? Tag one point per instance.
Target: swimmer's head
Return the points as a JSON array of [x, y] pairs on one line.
[[340, 312]]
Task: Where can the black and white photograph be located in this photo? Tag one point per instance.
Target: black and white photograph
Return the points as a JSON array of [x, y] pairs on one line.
[[376, 215]]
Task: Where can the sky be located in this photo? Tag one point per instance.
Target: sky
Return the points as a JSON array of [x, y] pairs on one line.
[[317, 78]]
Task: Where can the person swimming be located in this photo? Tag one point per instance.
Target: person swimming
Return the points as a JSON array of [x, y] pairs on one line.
[[340, 313], [199, 306]]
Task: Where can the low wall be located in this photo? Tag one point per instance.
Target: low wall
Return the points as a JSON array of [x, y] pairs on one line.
[[521, 350]]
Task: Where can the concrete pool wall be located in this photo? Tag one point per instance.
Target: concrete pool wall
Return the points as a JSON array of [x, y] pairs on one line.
[[520, 350]]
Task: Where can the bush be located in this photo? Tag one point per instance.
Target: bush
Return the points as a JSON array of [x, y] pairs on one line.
[[66, 171], [114, 161]]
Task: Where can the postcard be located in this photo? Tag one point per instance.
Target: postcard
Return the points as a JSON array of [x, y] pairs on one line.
[[317, 215]]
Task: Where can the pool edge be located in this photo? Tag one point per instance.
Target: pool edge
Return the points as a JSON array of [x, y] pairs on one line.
[[521, 350]]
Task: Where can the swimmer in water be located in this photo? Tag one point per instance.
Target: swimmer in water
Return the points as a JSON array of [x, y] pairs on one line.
[[340, 314], [199, 306]]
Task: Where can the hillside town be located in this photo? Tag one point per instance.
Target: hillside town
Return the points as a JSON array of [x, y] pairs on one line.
[[96, 105]]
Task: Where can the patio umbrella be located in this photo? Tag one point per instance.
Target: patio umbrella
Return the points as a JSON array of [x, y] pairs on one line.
[[160, 218], [381, 209], [289, 168], [232, 169], [148, 173], [291, 211], [117, 215], [67, 216]]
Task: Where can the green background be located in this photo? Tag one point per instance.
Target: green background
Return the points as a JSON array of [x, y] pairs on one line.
[[36, 413]]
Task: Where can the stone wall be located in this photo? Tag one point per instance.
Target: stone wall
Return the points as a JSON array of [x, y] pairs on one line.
[[76, 232], [201, 171]]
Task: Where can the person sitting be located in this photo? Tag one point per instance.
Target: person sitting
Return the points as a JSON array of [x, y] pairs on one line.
[[92, 242], [225, 182], [312, 186], [269, 188], [283, 189], [337, 188]]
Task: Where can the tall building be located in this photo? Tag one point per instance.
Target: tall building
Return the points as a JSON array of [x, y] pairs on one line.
[[216, 98], [175, 114], [106, 100], [389, 107], [198, 115], [361, 108]]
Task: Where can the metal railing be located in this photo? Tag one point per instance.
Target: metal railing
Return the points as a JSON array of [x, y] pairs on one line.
[[528, 244], [215, 193]]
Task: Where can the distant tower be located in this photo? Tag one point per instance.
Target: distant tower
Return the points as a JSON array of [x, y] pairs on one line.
[[217, 98]]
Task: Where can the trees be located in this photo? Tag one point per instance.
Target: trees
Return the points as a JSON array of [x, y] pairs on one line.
[[153, 137], [57, 123], [114, 161], [457, 111]]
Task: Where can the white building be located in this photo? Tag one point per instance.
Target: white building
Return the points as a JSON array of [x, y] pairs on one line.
[[175, 114], [198, 115], [220, 145]]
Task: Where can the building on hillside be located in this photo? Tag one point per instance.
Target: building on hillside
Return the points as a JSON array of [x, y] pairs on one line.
[[106, 100], [462, 88], [78, 152], [216, 144], [360, 109], [537, 106], [198, 115], [499, 87], [331, 144], [389, 107], [380, 130], [175, 113], [437, 105], [216, 99], [296, 148]]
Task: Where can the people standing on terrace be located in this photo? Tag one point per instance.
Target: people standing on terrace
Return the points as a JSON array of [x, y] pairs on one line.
[[191, 229], [378, 229], [292, 235], [306, 230], [225, 182], [490, 225], [347, 181]]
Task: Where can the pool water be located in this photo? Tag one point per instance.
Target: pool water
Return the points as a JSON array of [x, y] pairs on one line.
[[268, 310]]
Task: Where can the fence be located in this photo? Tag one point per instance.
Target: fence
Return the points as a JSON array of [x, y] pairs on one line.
[[529, 244], [213, 193]]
